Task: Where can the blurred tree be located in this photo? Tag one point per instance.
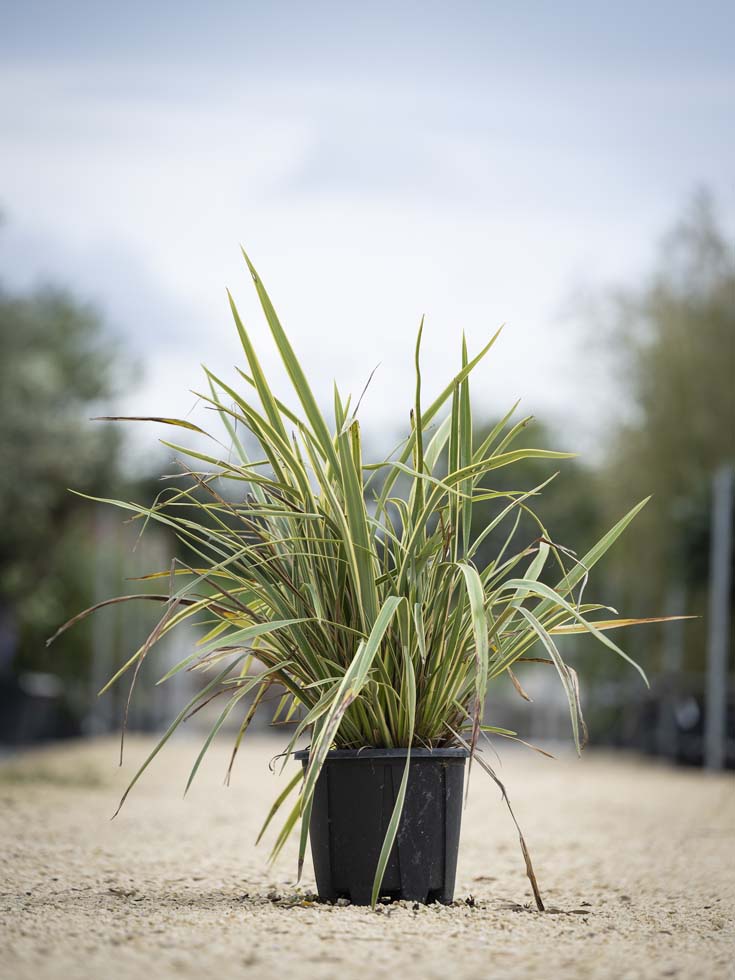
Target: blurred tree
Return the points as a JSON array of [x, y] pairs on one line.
[[57, 367], [674, 339]]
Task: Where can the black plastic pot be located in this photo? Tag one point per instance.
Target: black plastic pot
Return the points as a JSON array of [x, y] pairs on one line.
[[353, 803]]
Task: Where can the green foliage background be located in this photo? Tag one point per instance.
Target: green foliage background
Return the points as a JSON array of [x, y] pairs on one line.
[[55, 367], [673, 341]]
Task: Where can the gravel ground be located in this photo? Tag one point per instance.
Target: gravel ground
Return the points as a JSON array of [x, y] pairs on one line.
[[636, 862]]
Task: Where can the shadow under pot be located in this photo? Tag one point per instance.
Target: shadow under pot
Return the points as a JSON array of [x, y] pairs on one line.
[[353, 803]]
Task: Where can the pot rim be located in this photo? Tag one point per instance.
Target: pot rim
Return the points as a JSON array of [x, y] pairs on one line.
[[337, 755]]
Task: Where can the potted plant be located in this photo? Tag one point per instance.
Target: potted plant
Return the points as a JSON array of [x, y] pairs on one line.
[[357, 587]]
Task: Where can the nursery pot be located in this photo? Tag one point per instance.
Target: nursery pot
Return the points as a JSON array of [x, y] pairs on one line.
[[353, 803]]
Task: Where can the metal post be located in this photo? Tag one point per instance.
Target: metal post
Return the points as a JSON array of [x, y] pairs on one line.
[[718, 632]]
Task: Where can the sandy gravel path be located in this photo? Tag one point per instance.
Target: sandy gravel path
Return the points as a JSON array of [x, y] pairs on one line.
[[635, 860]]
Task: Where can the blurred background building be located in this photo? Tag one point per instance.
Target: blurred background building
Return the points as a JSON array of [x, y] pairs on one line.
[[566, 168]]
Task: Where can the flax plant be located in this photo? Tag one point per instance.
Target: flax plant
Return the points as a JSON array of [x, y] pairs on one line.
[[354, 587]]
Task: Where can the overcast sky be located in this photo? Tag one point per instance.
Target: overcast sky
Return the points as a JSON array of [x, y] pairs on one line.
[[476, 162]]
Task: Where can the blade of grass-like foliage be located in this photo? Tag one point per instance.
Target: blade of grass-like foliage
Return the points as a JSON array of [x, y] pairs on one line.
[[272, 439], [229, 707], [360, 566], [390, 835], [613, 624], [168, 623], [227, 421], [570, 688], [294, 370], [175, 724], [285, 831], [282, 408], [339, 410], [169, 619], [511, 736], [436, 445], [487, 442], [476, 597], [513, 505], [465, 450], [530, 873], [594, 554], [155, 634], [547, 593], [511, 435], [230, 641], [418, 618], [151, 597], [351, 416], [517, 685], [182, 423], [261, 385], [280, 800], [306, 807], [262, 681], [357, 518], [418, 428], [431, 411], [535, 569], [312, 718], [574, 677]]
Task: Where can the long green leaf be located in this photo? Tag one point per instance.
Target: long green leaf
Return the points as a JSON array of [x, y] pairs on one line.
[[390, 835]]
